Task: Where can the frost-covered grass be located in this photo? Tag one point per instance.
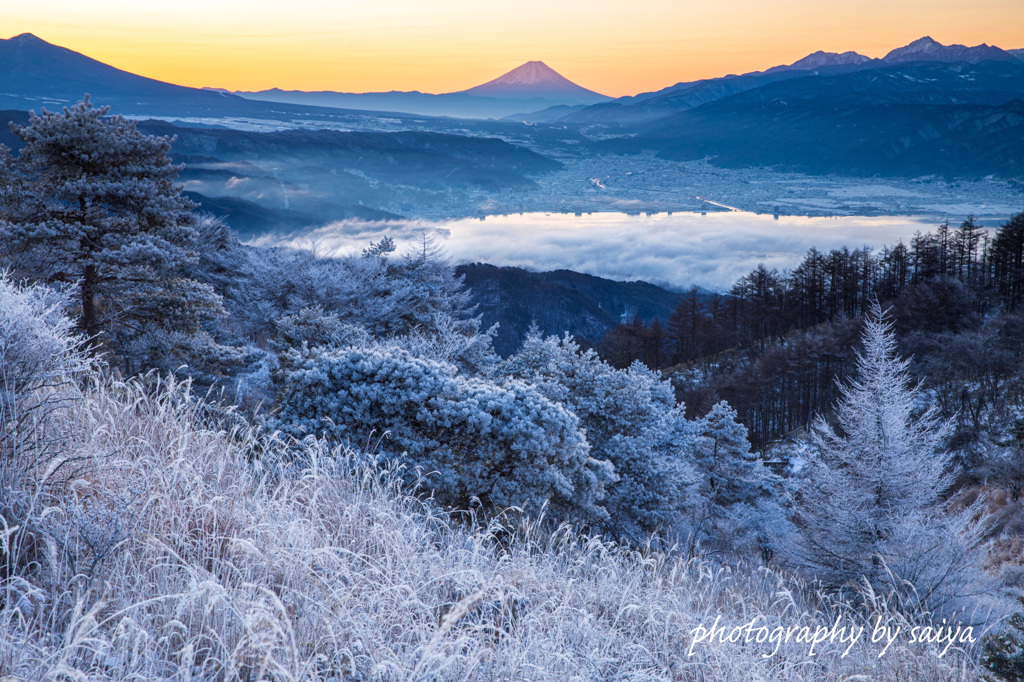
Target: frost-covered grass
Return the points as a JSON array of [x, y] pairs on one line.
[[178, 550]]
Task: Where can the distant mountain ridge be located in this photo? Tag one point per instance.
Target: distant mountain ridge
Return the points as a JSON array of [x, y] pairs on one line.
[[687, 95], [906, 119], [821, 59], [50, 73], [927, 49], [36, 74], [533, 86], [651, 106], [454, 105]]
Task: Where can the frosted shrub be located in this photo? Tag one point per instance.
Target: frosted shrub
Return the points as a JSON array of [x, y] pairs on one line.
[[631, 419], [314, 327], [285, 298], [448, 340], [504, 444], [40, 362], [388, 295]]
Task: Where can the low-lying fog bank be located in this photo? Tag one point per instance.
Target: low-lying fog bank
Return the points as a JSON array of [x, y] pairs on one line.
[[677, 250]]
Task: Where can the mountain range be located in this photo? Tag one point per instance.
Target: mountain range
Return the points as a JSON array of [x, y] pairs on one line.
[[530, 87], [36, 74], [924, 108], [681, 96], [902, 118], [929, 50]]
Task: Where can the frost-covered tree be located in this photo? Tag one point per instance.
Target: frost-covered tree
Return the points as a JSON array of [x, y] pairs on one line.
[[742, 505], [91, 201], [315, 328], [413, 299], [631, 419], [41, 360], [504, 444], [873, 505]]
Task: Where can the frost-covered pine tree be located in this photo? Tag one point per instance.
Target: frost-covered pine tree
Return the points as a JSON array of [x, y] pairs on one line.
[[415, 299], [742, 501], [631, 419], [504, 444], [873, 505], [91, 201]]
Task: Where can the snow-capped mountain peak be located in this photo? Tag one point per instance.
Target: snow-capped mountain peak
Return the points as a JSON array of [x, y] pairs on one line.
[[818, 59], [529, 74], [927, 49], [534, 79]]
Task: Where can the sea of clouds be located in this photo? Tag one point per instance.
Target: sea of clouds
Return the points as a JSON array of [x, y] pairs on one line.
[[676, 250]]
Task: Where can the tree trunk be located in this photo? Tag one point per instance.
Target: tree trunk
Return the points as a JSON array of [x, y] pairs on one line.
[[90, 325]]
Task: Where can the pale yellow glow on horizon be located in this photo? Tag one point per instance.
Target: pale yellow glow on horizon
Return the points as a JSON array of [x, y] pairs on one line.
[[616, 48]]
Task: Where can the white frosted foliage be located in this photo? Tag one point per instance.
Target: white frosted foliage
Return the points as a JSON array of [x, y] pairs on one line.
[[873, 506], [741, 499], [92, 202], [502, 443], [631, 419]]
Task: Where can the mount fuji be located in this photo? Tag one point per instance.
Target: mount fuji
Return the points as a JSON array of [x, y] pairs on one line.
[[35, 73], [530, 87], [536, 79]]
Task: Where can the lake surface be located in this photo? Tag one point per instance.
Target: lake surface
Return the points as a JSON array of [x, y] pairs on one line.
[[674, 249]]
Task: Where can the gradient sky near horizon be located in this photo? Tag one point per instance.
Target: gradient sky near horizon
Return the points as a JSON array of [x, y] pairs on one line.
[[614, 47]]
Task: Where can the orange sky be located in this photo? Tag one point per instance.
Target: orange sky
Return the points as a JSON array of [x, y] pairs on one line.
[[616, 47]]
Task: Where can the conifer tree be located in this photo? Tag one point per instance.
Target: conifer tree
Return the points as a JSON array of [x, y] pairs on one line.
[[91, 201], [1008, 261], [741, 507], [875, 504], [631, 420]]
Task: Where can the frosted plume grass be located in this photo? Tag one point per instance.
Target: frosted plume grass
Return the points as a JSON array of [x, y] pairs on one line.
[[309, 563]]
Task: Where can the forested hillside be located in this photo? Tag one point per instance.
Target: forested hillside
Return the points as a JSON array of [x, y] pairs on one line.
[[585, 306], [285, 181], [231, 462], [774, 345]]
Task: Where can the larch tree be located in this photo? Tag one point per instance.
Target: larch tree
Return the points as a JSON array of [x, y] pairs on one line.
[[1007, 258], [875, 503], [92, 202]]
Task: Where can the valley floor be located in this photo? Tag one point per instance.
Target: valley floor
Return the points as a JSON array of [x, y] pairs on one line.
[[646, 183]]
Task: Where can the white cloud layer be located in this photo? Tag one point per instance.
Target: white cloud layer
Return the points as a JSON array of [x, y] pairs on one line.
[[677, 250]]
